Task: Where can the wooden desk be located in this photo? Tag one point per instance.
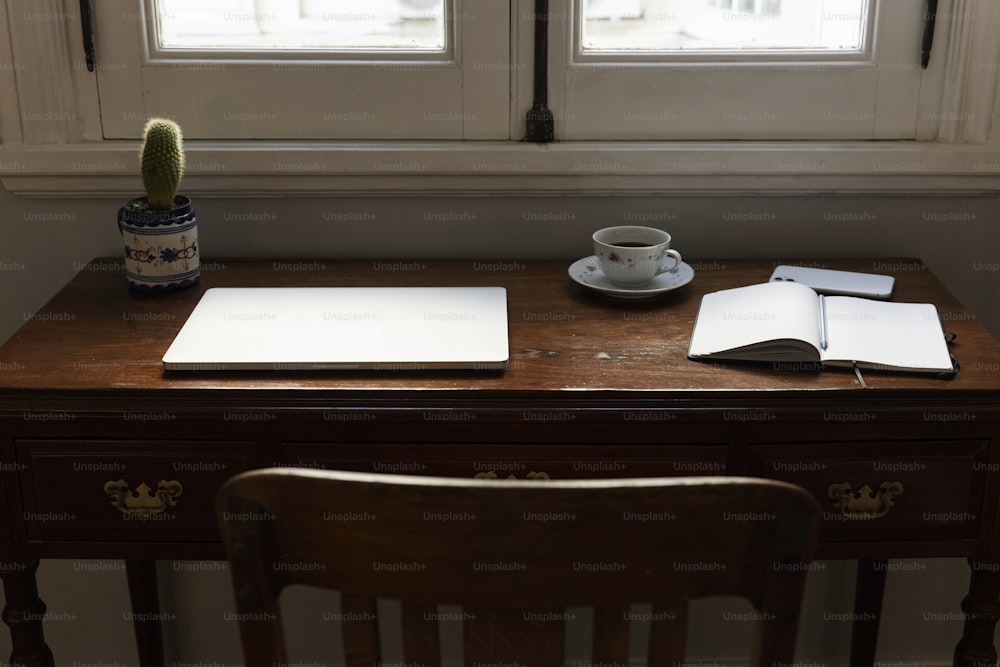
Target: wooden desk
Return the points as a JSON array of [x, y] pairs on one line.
[[106, 456]]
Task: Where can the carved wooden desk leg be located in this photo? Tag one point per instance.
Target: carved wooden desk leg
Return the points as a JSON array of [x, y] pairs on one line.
[[869, 589], [145, 597], [23, 614], [982, 609]]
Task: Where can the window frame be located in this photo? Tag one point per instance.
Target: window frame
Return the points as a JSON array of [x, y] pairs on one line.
[[60, 152], [452, 96], [767, 95]]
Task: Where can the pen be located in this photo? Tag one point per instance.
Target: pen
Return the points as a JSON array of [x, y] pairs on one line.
[[822, 322]]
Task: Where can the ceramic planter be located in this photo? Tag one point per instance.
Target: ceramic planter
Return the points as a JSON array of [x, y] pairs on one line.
[[161, 247]]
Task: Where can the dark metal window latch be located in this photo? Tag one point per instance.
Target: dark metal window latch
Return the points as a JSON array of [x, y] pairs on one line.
[[540, 120], [930, 18], [87, 22]]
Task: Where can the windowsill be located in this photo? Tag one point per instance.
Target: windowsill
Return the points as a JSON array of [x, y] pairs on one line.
[[294, 168]]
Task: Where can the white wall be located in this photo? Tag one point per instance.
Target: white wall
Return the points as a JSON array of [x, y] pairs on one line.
[[43, 243]]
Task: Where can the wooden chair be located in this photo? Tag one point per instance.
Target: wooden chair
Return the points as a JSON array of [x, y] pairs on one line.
[[515, 555]]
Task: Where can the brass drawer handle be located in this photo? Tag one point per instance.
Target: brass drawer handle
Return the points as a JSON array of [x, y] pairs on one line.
[[493, 475], [141, 501], [865, 503]]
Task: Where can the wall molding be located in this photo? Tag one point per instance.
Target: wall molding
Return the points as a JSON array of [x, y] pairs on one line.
[[279, 169]]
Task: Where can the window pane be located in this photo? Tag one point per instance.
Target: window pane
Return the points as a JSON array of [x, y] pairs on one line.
[[302, 24], [723, 25]]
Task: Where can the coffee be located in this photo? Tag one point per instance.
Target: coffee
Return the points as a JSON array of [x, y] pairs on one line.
[[632, 244]]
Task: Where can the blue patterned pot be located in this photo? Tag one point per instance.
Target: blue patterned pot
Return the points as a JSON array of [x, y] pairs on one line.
[[161, 247]]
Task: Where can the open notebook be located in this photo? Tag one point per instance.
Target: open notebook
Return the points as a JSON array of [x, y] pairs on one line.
[[333, 328], [789, 322]]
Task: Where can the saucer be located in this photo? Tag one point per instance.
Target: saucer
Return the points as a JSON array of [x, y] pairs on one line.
[[587, 272]]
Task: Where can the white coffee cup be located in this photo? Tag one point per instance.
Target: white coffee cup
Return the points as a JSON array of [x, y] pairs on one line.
[[631, 256]]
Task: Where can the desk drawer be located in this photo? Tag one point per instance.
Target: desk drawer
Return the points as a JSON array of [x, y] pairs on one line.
[[544, 461], [117, 490], [886, 491]]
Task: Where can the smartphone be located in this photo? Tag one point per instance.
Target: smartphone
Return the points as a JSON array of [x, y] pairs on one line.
[[828, 281]]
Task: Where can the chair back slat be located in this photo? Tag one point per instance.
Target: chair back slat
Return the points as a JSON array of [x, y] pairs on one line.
[[610, 643], [516, 554], [359, 626], [522, 637], [770, 639], [258, 613], [421, 635], [668, 634]]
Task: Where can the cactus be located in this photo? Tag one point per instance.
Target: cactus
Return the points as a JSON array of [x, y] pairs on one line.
[[162, 161]]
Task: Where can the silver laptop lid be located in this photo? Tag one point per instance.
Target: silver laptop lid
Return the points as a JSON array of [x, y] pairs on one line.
[[331, 328]]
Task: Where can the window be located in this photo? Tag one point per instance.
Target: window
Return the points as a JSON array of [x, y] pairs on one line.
[[277, 69], [656, 119], [749, 69], [643, 69]]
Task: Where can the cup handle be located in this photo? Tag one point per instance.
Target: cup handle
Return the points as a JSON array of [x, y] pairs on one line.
[[665, 268]]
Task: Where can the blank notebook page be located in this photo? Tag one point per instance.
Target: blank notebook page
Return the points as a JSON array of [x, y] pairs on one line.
[[903, 335]]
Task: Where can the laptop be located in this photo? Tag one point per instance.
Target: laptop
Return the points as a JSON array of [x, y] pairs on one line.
[[334, 328]]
